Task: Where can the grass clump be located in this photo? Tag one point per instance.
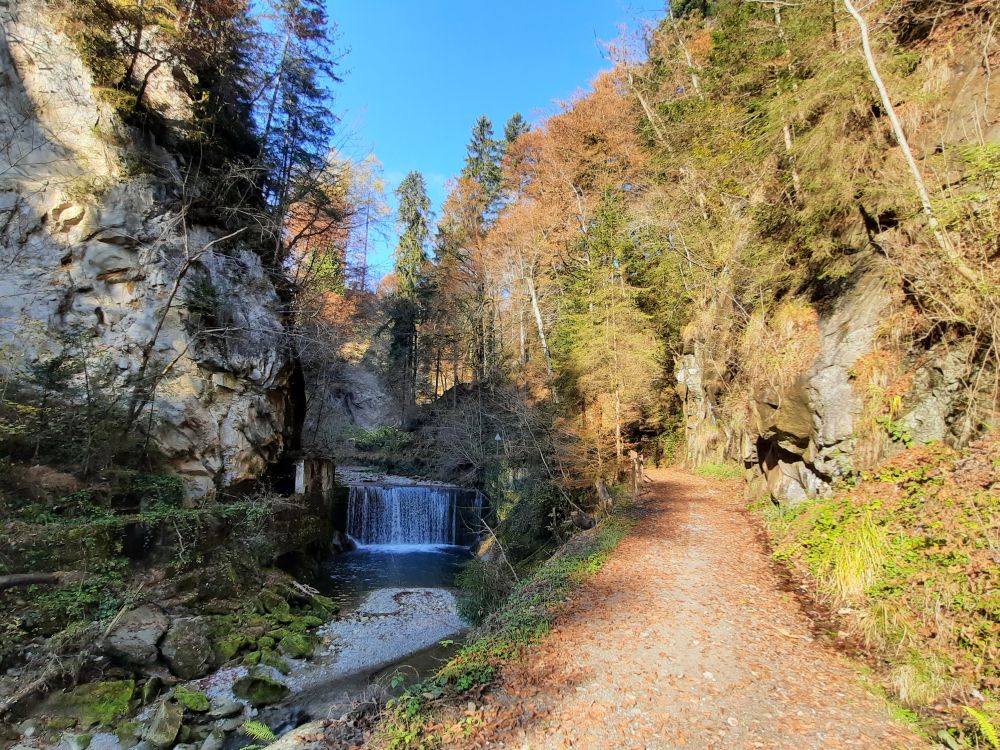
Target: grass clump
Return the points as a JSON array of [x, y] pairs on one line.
[[524, 618], [720, 471]]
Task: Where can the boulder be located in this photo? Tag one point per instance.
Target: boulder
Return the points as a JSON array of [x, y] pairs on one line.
[[165, 724], [259, 687], [192, 700], [134, 640], [215, 740], [296, 646], [187, 648], [225, 710]]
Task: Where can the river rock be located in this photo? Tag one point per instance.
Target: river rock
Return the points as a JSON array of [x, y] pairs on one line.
[[259, 687], [225, 709], [166, 723], [71, 741], [296, 646], [306, 735], [187, 648], [134, 640], [214, 741]]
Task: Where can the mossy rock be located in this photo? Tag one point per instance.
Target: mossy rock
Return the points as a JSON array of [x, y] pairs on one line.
[[272, 602], [228, 647], [270, 658], [128, 733], [193, 700], [96, 702], [324, 607], [72, 741], [311, 621], [260, 688], [296, 646], [165, 725], [252, 659], [279, 633], [266, 641], [58, 723]]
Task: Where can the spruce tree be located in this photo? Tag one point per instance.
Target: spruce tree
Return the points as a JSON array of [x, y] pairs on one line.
[[482, 166], [411, 259]]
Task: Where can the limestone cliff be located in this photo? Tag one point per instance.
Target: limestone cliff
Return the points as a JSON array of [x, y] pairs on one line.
[[90, 244]]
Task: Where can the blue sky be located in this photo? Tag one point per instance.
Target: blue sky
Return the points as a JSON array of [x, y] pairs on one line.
[[417, 74]]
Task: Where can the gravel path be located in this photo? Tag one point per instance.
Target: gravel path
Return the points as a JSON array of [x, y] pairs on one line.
[[685, 639]]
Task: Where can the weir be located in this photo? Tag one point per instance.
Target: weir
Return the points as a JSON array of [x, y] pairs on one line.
[[384, 515]]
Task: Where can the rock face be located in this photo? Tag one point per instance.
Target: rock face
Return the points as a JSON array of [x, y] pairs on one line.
[[134, 640], [91, 250], [805, 435], [354, 397], [187, 648]]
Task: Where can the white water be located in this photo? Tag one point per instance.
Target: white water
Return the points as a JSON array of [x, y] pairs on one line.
[[402, 516]]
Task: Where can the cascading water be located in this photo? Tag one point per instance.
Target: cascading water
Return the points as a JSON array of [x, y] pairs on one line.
[[408, 515]]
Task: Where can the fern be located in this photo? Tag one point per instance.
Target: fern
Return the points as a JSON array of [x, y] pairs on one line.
[[259, 731], [985, 727]]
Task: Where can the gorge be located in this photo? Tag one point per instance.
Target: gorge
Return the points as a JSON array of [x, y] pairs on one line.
[[714, 339]]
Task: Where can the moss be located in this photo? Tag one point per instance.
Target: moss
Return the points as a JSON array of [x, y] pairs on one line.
[[270, 658], [251, 659], [324, 607], [271, 602], [193, 700], [296, 646], [97, 702], [228, 647], [266, 641]]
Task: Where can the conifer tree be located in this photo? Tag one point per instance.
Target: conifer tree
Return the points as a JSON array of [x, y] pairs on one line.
[[411, 259]]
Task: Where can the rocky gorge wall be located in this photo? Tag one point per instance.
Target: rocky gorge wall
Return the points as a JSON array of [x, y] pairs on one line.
[[858, 369], [92, 247]]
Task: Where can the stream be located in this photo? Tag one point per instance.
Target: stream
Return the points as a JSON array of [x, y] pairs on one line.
[[396, 593]]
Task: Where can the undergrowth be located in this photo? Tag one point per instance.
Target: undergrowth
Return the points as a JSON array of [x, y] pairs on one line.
[[523, 619], [719, 471], [911, 556]]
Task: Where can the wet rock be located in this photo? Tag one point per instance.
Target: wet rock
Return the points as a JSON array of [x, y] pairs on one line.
[[260, 688], [187, 648], [134, 640], [165, 725]]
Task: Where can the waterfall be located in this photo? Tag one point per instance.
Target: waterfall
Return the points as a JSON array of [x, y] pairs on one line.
[[410, 515]]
